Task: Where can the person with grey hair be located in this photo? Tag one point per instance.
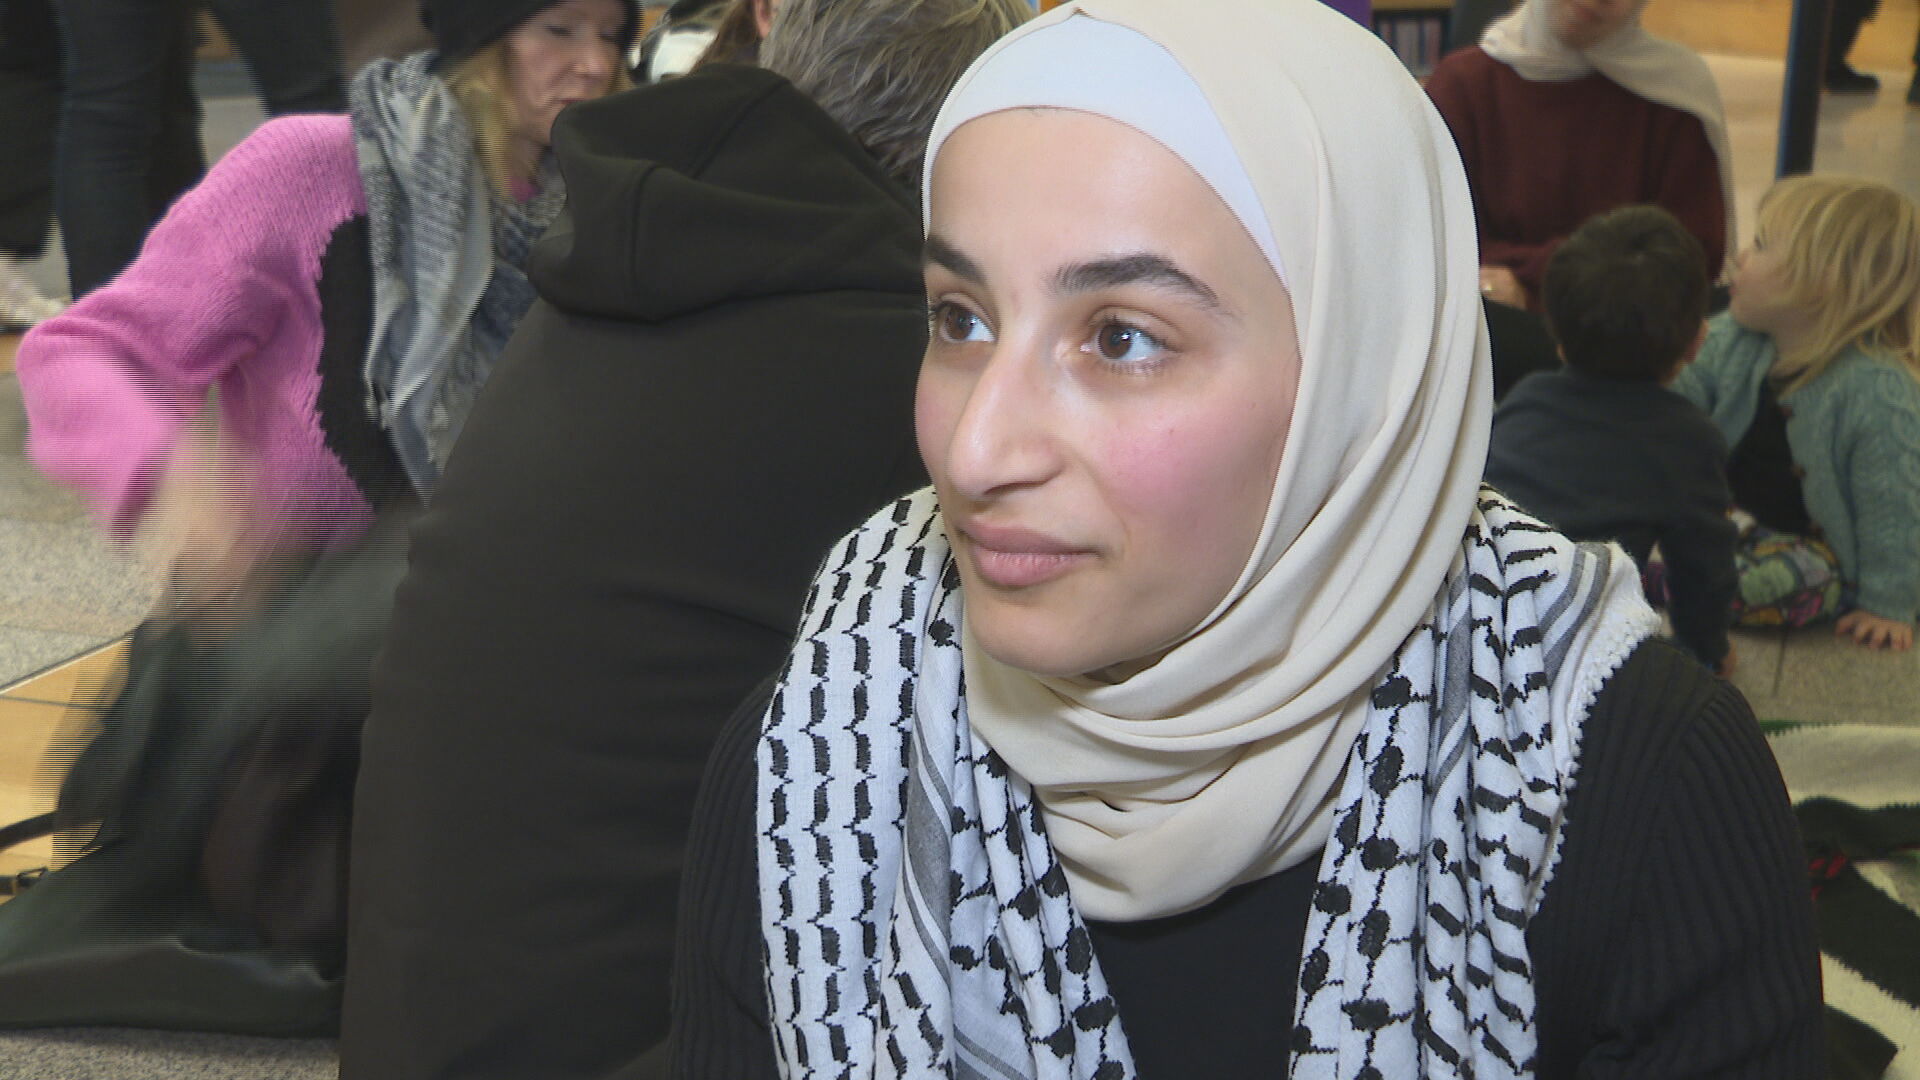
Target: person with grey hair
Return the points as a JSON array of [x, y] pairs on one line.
[[715, 382], [868, 63]]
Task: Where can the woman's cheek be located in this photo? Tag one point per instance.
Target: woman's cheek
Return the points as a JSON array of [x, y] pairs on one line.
[[933, 419], [1199, 483], [1165, 481]]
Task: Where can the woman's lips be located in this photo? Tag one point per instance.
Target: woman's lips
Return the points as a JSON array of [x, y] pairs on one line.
[[1012, 558]]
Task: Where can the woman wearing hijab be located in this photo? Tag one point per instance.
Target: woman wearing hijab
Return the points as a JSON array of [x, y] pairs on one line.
[[1567, 109], [1207, 717]]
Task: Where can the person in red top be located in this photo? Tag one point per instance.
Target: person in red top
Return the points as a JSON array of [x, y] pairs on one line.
[[1567, 109]]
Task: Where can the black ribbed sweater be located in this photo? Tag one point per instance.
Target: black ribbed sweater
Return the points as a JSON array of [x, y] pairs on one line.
[[1675, 938]]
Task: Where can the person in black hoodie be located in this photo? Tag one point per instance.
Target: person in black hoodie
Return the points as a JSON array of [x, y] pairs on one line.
[[716, 383]]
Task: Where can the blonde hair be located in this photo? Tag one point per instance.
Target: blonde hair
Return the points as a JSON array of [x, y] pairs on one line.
[[480, 84], [1849, 250]]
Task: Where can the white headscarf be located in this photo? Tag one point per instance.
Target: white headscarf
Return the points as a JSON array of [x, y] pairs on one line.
[[1661, 71], [1218, 764]]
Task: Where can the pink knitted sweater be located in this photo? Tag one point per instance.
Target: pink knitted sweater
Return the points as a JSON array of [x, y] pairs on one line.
[[224, 295]]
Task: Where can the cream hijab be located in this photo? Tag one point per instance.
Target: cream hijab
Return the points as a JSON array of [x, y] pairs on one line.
[[1664, 72], [1218, 764]]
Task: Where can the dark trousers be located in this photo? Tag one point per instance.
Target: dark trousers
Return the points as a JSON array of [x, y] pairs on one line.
[[29, 115], [1844, 29], [130, 132], [292, 49]]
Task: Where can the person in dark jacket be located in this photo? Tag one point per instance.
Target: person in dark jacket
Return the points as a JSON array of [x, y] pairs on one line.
[[1601, 449], [716, 382]]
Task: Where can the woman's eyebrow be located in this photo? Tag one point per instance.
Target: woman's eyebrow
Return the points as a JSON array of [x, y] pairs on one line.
[[1144, 268], [941, 252]]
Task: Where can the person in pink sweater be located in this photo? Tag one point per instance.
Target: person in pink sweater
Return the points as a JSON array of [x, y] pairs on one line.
[[300, 336]]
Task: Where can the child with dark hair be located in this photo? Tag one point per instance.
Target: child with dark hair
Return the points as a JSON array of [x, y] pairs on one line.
[[1601, 449]]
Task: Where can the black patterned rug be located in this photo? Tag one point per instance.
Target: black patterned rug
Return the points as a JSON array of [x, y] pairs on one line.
[[1856, 791]]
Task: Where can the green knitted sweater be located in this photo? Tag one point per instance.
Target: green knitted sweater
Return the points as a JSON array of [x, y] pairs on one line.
[[1856, 431]]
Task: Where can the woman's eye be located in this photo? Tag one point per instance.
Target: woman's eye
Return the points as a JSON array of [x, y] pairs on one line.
[[955, 324], [1120, 343], [558, 30]]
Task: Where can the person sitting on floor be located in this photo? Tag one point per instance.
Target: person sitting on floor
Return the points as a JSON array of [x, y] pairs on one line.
[[1813, 376], [342, 284], [1601, 450], [715, 384], [1567, 109], [1207, 718]]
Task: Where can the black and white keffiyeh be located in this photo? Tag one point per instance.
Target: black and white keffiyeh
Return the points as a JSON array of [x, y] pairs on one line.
[[917, 922], [447, 254]]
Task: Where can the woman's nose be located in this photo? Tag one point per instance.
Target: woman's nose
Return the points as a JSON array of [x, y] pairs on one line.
[[597, 60], [1008, 429]]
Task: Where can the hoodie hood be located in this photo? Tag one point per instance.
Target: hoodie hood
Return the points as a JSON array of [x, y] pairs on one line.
[[720, 186]]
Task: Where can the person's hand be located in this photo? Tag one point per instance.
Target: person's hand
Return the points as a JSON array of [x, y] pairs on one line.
[[1498, 284], [204, 534], [1868, 629], [1728, 663]]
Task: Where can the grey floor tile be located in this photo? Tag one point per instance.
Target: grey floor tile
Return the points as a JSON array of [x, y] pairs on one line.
[[130, 1053], [1883, 715], [64, 577], [25, 495], [1822, 670], [1758, 672], [27, 652], [1769, 709], [13, 417]]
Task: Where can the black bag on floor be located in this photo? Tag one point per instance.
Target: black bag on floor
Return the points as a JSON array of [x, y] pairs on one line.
[[213, 895]]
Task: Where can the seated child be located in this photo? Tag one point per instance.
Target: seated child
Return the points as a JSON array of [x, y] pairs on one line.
[[1601, 449], [1812, 376]]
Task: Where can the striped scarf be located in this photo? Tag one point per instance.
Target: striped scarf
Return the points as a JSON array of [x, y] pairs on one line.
[[448, 285]]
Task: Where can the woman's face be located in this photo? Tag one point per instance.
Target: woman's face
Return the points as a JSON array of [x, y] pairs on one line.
[[566, 53], [1582, 24], [1107, 387], [763, 13]]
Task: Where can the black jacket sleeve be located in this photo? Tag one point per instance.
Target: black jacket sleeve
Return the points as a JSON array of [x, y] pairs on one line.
[[719, 1029], [1676, 938]]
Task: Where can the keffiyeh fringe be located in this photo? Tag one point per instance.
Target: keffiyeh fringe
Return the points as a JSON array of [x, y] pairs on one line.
[[918, 923]]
